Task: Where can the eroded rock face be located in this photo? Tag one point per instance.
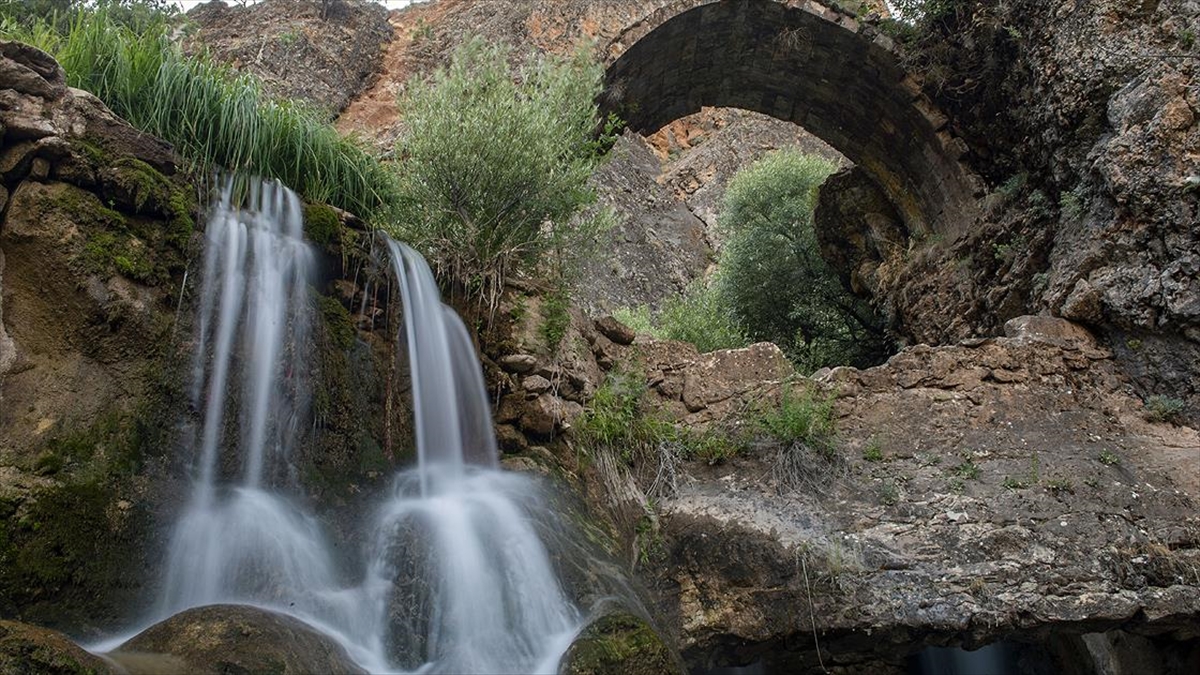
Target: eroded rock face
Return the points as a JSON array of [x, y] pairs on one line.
[[1002, 487], [94, 232], [221, 639], [322, 52], [657, 247], [1094, 176]]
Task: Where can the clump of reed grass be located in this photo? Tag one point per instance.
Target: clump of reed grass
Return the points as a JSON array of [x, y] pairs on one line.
[[212, 115]]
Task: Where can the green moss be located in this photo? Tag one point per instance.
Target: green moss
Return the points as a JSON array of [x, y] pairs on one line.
[[619, 644], [348, 409], [321, 224], [113, 447], [147, 190], [69, 551], [105, 252], [181, 204], [338, 324]]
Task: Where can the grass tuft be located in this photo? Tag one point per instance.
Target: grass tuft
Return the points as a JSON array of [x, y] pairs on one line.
[[212, 115]]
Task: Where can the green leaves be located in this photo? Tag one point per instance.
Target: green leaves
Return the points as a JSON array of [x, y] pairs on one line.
[[212, 115], [494, 163], [774, 278]]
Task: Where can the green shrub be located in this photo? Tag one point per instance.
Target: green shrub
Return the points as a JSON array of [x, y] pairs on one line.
[[873, 452], [639, 318], [1164, 408], [555, 316], [699, 316], [617, 419], [495, 163], [773, 277], [800, 418], [210, 114]]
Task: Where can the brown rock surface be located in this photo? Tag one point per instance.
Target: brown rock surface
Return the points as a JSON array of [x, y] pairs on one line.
[[1017, 492], [220, 639], [29, 649], [93, 237], [322, 52]]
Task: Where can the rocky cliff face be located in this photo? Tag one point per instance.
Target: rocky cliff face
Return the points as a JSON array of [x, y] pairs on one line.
[[1084, 117], [95, 227], [325, 53]]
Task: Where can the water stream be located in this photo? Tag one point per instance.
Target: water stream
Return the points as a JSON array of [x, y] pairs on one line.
[[454, 578]]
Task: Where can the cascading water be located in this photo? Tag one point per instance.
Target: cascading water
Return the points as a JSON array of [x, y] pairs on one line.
[[455, 578], [495, 603]]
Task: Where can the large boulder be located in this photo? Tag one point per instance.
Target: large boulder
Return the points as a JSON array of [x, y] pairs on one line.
[[1006, 488], [221, 639], [619, 643]]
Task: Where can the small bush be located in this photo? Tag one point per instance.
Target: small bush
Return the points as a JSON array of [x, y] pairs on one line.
[[555, 317], [1164, 409], [968, 470], [615, 418], [873, 452], [698, 316], [495, 162], [1070, 204], [800, 418]]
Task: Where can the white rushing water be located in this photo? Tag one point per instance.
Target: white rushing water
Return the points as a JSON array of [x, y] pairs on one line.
[[454, 578]]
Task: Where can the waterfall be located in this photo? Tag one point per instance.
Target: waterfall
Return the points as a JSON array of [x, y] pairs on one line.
[[495, 603], [454, 578]]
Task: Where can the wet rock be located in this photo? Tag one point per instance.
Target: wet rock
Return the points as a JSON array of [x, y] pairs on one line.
[[30, 649], [546, 414], [510, 439], [619, 644], [535, 385], [221, 639]]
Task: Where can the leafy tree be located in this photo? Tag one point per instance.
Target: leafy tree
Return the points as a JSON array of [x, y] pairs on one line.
[[773, 276], [494, 164]]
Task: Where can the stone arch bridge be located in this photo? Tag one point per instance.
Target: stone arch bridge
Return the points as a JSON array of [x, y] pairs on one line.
[[807, 62]]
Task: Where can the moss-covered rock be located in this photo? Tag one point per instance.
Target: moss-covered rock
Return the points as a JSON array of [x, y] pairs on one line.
[[363, 426], [619, 644], [226, 639], [321, 224], [26, 649], [69, 550]]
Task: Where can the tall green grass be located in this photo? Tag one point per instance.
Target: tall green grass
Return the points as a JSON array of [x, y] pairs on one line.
[[212, 115]]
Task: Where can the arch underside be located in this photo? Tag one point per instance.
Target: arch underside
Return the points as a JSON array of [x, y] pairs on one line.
[[792, 64]]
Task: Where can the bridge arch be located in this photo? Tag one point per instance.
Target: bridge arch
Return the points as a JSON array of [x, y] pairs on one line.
[[802, 61]]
